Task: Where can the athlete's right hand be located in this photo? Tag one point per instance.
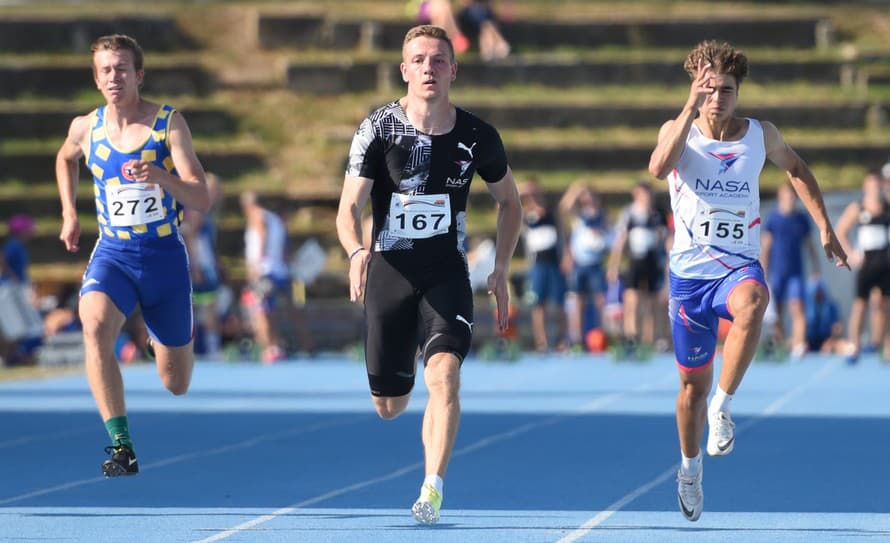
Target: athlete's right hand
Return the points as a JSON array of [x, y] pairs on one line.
[[358, 267], [70, 234], [702, 85]]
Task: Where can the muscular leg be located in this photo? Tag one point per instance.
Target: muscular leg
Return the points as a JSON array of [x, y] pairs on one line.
[[692, 408], [175, 366], [747, 303], [102, 322], [442, 415]]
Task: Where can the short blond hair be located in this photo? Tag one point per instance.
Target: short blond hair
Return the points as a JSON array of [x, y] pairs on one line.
[[429, 31], [723, 58]]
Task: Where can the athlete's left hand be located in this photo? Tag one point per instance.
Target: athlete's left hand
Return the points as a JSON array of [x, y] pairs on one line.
[[497, 285], [833, 249]]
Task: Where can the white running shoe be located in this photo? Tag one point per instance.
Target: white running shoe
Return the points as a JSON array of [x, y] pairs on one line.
[[721, 433], [690, 495]]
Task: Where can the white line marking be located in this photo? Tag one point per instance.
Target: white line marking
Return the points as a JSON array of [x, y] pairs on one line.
[[585, 409], [192, 455], [24, 440], [768, 411]]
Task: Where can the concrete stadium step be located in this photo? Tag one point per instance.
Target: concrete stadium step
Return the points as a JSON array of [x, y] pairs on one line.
[[559, 116], [331, 78], [291, 31], [39, 166], [31, 122], [63, 81], [20, 34]]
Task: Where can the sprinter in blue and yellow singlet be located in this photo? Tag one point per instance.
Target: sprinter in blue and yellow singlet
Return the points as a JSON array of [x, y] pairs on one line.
[[144, 171]]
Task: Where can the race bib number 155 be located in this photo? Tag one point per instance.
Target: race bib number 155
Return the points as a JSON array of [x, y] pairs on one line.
[[419, 216], [721, 227]]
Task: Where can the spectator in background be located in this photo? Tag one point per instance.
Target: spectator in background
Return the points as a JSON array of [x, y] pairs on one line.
[[871, 258], [20, 228], [643, 230], [22, 339], [785, 233], [480, 24], [199, 232], [440, 13], [268, 276], [583, 261], [543, 249], [824, 328]]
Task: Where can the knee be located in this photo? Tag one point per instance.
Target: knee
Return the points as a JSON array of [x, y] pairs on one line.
[[176, 385], [692, 394], [750, 306], [389, 408], [442, 375]]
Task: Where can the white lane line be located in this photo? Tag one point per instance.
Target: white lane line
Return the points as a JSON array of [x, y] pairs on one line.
[[192, 455], [25, 440], [767, 412], [587, 408]]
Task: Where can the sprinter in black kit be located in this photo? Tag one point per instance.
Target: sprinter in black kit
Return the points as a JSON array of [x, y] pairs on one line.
[[414, 159]]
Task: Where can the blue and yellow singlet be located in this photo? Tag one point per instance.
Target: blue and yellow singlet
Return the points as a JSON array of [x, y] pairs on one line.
[[125, 208]]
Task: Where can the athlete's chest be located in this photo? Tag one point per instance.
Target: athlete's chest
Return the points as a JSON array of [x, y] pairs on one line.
[[423, 163]]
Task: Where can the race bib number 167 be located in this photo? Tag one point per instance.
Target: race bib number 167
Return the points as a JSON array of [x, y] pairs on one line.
[[419, 216]]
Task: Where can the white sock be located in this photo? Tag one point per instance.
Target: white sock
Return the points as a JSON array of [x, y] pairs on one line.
[[720, 401], [691, 466], [435, 481]]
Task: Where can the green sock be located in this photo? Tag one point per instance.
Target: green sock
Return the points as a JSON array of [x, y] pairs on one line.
[[118, 431]]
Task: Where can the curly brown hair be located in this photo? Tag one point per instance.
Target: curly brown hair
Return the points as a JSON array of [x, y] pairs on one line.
[[724, 59]]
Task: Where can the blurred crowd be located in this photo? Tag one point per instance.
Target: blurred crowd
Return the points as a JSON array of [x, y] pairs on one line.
[[595, 280]]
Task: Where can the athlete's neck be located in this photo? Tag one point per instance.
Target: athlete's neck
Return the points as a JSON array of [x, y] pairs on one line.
[[127, 113], [434, 117], [719, 129]]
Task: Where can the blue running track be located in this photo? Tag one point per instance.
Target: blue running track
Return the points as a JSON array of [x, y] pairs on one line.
[[550, 450]]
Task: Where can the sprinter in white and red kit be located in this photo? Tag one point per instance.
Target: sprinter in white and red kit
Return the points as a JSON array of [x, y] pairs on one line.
[[712, 161]]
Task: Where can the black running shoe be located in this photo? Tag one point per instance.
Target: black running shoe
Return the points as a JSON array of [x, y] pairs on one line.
[[122, 462]]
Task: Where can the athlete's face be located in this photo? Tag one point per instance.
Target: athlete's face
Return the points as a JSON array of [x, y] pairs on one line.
[[721, 104], [116, 76], [427, 67]]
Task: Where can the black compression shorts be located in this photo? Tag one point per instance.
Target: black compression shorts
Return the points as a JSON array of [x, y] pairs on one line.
[[434, 313]]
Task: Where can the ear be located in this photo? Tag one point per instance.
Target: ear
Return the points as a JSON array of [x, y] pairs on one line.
[[404, 70]]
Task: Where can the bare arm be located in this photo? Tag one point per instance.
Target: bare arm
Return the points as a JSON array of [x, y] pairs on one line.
[[509, 223], [67, 178], [845, 225], [672, 136], [807, 188], [190, 187], [766, 244], [353, 198]]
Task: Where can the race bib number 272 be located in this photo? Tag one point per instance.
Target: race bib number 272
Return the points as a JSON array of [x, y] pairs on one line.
[[134, 203]]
